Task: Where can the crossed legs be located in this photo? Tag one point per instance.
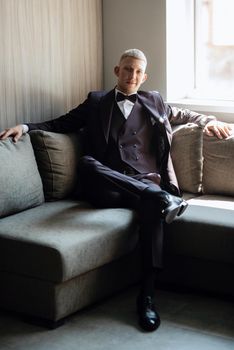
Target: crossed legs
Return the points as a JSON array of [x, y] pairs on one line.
[[104, 187]]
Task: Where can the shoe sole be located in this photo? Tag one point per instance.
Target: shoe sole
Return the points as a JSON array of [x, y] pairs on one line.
[[184, 206], [171, 213]]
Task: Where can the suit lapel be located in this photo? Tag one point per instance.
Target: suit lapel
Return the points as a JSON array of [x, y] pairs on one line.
[[158, 113], [106, 109], [149, 104]]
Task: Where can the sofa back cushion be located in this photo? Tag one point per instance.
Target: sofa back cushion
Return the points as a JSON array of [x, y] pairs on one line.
[[218, 168], [186, 153], [57, 156], [20, 182]]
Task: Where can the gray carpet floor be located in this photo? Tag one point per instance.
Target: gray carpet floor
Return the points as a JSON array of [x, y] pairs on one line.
[[189, 322]]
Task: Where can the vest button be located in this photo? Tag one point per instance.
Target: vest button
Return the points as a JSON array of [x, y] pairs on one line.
[[134, 133], [137, 158], [134, 146]]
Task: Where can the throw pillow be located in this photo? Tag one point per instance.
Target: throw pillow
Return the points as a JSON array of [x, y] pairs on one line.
[[218, 166], [20, 182], [57, 156], [186, 153]]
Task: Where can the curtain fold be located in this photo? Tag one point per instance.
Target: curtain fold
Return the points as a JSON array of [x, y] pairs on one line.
[[51, 57]]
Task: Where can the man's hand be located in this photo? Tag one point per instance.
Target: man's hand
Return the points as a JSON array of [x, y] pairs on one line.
[[219, 129], [16, 132]]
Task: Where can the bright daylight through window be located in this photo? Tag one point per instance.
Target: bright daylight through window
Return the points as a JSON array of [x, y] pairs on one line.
[[214, 49], [200, 50]]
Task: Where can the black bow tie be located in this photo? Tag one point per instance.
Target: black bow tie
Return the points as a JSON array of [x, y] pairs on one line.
[[121, 97]]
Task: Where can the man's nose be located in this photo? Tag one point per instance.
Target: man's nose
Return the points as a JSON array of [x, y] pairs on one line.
[[133, 74]]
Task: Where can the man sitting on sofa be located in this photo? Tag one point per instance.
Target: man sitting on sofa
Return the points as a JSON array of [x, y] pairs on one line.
[[127, 163]]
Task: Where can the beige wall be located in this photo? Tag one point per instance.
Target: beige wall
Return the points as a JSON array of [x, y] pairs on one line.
[[142, 24], [136, 24], [51, 56]]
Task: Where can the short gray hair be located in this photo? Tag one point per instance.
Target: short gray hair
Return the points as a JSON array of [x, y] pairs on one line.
[[134, 53]]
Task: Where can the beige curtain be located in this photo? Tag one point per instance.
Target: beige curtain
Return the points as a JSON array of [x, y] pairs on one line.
[[50, 57]]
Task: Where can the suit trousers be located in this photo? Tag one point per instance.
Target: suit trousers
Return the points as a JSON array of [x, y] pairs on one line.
[[107, 188]]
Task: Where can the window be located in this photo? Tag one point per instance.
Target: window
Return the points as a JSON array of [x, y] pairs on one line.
[[200, 49], [214, 49]]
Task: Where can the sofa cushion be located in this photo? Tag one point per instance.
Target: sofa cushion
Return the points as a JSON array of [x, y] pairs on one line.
[[186, 153], [205, 231], [60, 240], [20, 182], [218, 166], [57, 156]]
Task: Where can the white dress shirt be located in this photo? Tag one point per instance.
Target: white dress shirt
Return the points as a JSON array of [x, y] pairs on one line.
[[125, 106]]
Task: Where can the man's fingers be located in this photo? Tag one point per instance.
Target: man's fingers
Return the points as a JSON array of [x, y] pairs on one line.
[[208, 132], [218, 129], [224, 131], [5, 134], [17, 137], [15, 132], [217, 132]]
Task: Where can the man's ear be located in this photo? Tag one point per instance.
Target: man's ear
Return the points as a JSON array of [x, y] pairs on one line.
[[144, 78], [116, 70]]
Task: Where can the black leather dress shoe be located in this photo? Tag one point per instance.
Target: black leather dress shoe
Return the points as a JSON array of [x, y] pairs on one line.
[[149, 319], [174, 206], [171, 206]]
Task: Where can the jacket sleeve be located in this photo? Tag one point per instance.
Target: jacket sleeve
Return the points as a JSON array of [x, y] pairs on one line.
[[72, 121], [178, 116]]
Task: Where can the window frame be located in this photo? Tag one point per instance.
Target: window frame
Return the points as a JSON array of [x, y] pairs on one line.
[[181, 62]]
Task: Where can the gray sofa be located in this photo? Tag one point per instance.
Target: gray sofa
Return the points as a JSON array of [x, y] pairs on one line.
[[58, 254]]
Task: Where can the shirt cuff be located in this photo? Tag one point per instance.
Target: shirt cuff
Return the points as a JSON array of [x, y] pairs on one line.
[[25, 128]]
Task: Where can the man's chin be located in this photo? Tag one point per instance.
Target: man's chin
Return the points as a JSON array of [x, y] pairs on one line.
[[128, 89], [131, 90]]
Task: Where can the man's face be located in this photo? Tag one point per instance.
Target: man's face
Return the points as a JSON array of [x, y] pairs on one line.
[[130, 74]]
